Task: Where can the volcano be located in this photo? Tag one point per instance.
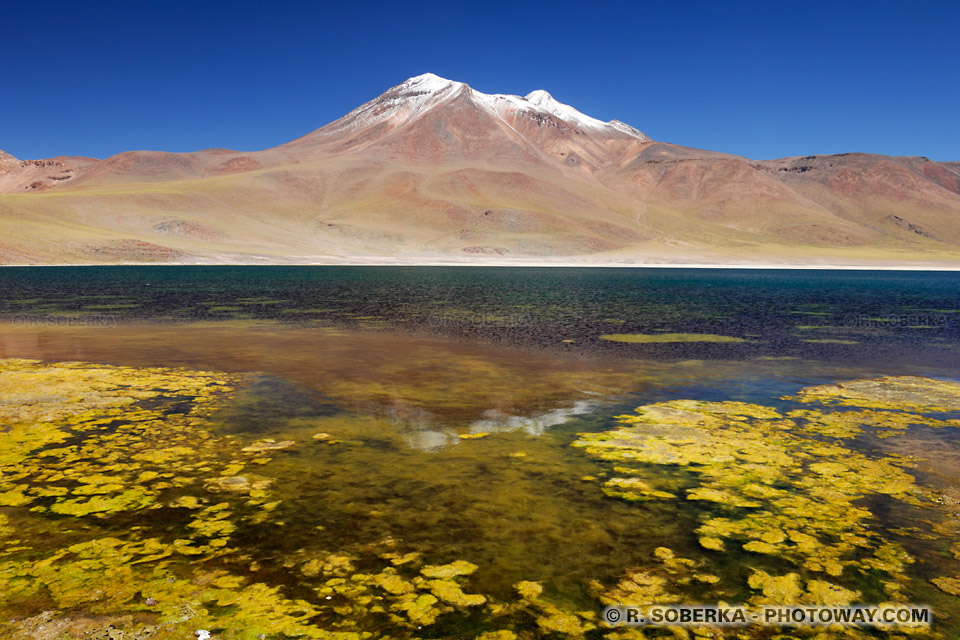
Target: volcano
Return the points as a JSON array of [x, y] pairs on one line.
[[435, 172]]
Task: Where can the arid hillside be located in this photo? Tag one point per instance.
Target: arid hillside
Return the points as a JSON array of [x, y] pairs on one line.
[[434, 172]]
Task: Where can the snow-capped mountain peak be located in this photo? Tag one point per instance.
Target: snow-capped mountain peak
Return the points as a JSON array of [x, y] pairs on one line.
[[429, 82], [540, 97], [546, 102], [421, 94]]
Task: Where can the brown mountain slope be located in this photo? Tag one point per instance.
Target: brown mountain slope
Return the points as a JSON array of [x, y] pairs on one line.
[[433, 171]]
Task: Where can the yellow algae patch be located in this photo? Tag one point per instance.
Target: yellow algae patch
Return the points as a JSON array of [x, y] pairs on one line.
[[268, 445], [119, 445], [721, 496], [781, 590], [398, 559], [212, 523], [666, 581], [503, 634], [164, 456], [655, 338], [396, 593], [551, 618], [421, 610], [758, 546], [711, 542], [458, 568], [247, 484], [755, 481], [663, 553], [187, 502], [828, 594], [451, 593], [910, 393], [948, 585], [633, 489], [849, 423], [92, 441], [767, 487], [528, 590], [104, 575], [335, 564], [14, 498], [125, 501], [391, 582]]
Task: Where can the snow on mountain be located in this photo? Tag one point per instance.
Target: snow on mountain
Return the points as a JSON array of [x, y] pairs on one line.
[[420, 94], [403, 102], [543, 101], [625, 128]]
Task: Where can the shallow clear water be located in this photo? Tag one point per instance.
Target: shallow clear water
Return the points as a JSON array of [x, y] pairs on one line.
[[397, 363]]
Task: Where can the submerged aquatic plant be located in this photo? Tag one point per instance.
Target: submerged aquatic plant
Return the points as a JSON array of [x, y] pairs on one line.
[[656, 338], [910, 393], [774, 492], [93, 443], [121, 505]]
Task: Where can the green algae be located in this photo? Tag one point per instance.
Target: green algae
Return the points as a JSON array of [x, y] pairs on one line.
[[948, 585], [909, 393], [551, 618], [776, 494], [853, 422], [458, 568], [118, 462], [195, 571], [657, 338], [94, 443]]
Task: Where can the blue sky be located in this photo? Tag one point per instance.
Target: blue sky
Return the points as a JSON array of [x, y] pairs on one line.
[[761, 79]]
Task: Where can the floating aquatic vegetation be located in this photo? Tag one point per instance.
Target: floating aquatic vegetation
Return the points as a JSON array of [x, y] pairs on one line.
[[633, 489], [948, 585], [549, 617], [122, 442], [91, 442], [909, 393], [451, 593], [268, 445], [656, 338], [104, 576], [246, 484], [503, 634], [850, 423], [770, 490], [90, 448], [458, 568], [396, 593]]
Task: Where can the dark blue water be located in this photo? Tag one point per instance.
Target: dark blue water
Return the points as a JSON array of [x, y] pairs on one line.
[[859, 315]]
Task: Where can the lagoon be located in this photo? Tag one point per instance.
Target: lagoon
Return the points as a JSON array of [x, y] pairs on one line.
[[445, 451]]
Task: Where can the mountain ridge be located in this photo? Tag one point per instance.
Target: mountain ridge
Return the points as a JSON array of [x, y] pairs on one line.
[[435, 171]]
